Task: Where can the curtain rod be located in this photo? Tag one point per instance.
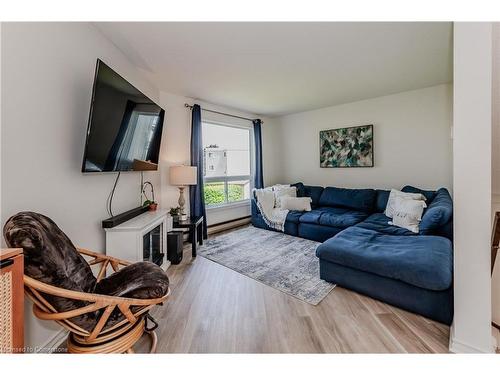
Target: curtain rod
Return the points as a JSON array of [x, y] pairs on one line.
[[222, 113]]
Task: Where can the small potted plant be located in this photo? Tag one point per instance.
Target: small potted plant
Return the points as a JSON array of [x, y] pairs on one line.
[[175, 212], [152, 205]]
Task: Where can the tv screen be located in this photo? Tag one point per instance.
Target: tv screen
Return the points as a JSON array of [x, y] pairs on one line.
[[125, 126]]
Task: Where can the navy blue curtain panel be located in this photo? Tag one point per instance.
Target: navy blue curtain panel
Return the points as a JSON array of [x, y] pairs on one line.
[[259, 174], [196, 192]]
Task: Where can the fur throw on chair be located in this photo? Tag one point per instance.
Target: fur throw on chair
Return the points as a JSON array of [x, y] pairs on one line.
[[50, 257]]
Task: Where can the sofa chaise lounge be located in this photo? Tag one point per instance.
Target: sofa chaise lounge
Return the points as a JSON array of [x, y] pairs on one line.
[[361, 251]]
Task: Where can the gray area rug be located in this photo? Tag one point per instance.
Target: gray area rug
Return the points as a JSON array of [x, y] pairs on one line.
[[278, 260]]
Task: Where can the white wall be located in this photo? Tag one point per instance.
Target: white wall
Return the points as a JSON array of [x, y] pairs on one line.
[[495, 163], [471, 330], [412, 141], [47, 71]]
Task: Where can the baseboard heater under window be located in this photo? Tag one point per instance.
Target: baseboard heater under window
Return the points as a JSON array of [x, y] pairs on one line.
[[229, 224]]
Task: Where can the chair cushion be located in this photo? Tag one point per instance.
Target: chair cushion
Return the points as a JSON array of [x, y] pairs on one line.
[[380, 223], [428, 194], [438, 213], [50, 257], [356, 199], [142, 280], [422, 261]]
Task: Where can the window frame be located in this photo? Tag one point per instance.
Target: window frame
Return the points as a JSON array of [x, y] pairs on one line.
[[228, 179]]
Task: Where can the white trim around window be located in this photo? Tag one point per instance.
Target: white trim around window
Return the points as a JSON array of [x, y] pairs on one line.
[[226, 180]]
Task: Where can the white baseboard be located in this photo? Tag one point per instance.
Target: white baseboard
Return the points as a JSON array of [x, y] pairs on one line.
[[459, 347], [54, 342]]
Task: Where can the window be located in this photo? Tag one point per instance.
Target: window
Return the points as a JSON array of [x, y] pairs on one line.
[[226, 164], [137, 140]]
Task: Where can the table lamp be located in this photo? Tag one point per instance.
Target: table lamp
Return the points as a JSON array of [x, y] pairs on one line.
[[182, 176]]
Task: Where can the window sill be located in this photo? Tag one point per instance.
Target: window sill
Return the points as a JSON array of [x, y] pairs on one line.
[[228, 206]]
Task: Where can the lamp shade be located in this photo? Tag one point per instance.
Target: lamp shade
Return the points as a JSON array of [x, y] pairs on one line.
[[183, 175]]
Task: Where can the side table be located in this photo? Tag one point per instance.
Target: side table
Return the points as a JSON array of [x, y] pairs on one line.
[[195, 230]]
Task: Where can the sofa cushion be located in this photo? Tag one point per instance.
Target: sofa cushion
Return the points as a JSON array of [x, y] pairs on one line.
[[300, 189], [422, 261], [314, 192], [428, 194], [356, 199], [311, 217], [340, 217], [381, 200], [438, 213], [317, 232], [333, 217], [436, 305], [380, 223], [294, 216], [291, 228]]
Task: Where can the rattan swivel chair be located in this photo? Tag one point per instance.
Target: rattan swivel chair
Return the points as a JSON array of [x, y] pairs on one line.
[[102, 314]]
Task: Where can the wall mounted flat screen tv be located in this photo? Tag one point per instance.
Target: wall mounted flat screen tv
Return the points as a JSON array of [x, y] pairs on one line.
[[125, 126]]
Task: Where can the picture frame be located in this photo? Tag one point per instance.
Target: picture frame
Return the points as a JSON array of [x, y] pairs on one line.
[[348, 147]]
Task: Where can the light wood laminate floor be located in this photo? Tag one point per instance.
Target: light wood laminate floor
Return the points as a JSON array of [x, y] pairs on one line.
[[213, 309]]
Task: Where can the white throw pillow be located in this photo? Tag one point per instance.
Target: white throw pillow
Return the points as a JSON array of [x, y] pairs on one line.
[[296, 204], [407, 213], [283, 191], [389, 209]]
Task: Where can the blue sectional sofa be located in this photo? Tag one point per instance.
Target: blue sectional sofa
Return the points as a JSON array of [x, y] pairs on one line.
[[362, 252]]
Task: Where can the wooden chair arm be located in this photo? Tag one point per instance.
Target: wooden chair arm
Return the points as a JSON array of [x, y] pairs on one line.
[[104, 261], [102, 257], [103, 299], [44, 310], [36, 290]]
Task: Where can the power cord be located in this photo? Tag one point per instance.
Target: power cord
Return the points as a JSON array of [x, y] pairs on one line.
[[109, 202], [142, 188]]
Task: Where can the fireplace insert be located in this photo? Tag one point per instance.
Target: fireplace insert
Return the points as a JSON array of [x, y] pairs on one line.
[[152, 246]]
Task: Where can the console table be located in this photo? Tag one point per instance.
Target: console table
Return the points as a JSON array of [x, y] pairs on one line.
[[195, 230]]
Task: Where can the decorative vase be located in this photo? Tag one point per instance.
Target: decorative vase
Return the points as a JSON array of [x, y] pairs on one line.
[[153, 206]]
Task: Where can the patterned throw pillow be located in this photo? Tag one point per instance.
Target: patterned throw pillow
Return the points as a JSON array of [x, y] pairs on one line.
[[389, 209], [407, 213]]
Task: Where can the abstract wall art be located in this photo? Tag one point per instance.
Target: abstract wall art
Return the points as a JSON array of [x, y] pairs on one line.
[[346, 147]]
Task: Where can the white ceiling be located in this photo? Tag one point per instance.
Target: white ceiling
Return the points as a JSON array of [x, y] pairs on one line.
[[281, 68]]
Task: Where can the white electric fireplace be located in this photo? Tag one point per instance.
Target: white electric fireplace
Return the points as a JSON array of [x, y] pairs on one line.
[[143, 238]]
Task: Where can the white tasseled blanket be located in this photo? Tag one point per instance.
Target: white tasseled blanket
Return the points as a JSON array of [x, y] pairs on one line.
[[273, 216]]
